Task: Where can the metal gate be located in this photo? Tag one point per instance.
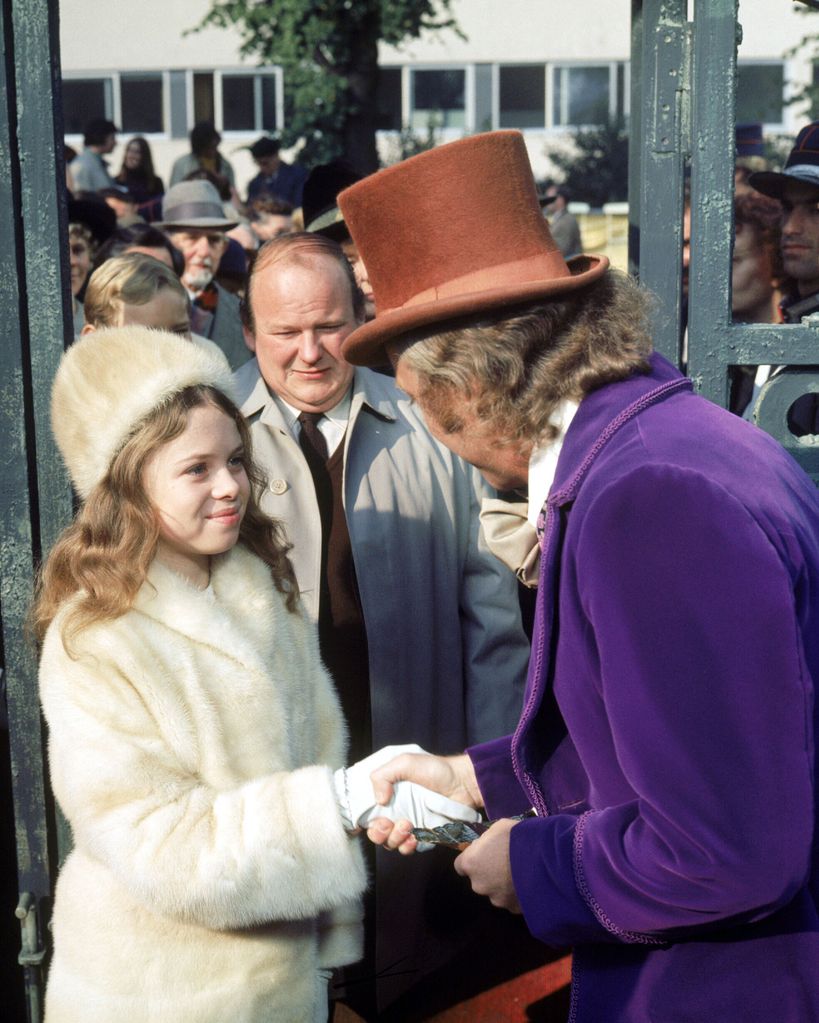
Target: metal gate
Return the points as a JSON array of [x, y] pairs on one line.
[[683, 82], [683, 99]]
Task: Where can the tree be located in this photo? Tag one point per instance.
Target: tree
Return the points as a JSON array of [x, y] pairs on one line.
[[328, 51], [595, 169]]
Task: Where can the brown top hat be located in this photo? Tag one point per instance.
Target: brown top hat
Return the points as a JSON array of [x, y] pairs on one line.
[[454, 231]]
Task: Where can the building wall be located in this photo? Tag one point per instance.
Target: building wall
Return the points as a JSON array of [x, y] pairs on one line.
[[536, 64]]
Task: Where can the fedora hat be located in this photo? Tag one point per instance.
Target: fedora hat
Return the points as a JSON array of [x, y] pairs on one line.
[[194, 204], [454, 231], [802, 165]]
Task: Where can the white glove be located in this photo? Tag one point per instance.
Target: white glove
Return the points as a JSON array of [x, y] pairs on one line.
[[423, 807], [410, 801], [354, 790]]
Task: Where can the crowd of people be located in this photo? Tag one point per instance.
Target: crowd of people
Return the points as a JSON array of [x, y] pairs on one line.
[[322, 475]]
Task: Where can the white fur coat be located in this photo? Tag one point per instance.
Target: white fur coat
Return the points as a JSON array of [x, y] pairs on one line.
[[191, 747]]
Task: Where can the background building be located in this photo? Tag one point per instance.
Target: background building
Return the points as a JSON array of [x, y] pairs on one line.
[[547, 67]]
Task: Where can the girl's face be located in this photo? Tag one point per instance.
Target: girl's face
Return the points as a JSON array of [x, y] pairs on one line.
[[198, 485], [133, 156]]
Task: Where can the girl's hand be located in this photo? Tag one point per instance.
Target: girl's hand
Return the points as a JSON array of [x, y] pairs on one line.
[[393, 835]]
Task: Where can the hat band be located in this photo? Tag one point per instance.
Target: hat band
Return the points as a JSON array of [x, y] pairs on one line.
[[193, 211], [544, 266], [803, 172]]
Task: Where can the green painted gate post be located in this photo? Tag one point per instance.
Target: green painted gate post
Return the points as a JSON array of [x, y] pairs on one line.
[[683, 88], [715, 342], [661, 93], [35, 500]]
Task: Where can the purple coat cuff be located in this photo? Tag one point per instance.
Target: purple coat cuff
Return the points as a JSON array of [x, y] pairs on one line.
[[542, 853], [501, 791]]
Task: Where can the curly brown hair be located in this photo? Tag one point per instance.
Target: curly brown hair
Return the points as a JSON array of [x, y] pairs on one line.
[[515, 366], [102, 559]]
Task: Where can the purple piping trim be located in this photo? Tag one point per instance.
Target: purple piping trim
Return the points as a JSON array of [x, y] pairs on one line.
[[574, 993], [568, 492], [582, 886], [533, 788]]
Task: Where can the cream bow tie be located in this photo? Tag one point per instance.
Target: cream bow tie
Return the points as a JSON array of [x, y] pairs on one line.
[[512, 538]]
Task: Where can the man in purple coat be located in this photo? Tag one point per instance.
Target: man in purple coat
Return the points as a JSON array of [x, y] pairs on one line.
[[666, 742]]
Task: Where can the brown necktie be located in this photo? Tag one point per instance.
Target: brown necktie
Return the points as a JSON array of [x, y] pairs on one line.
[[311, 439]]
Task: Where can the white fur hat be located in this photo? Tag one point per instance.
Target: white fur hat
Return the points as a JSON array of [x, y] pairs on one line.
[[108, 381]]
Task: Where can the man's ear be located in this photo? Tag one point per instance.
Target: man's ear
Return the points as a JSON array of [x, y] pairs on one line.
[[250, 340]]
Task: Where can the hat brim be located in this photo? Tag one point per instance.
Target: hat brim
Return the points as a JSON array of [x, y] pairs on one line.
[[197, 223], [773, 183], [329, 222], [364, 346]]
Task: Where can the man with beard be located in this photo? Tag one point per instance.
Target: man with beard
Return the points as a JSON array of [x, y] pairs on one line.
[[193, 219]]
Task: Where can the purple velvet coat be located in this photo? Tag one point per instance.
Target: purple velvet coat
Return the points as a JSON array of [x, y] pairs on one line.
[[667, 736]]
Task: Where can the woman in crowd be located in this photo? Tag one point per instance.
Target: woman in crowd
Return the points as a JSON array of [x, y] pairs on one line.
[[138, 175]]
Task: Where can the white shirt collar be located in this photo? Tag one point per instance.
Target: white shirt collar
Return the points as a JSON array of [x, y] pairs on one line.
[[543, 461], [333, 426]]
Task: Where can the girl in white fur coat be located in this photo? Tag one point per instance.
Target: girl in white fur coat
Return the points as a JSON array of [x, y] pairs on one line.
[[193, 729]]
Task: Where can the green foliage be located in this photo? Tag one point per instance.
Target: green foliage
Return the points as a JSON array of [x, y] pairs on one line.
[[596, 171], [410, 143], [328, 52], [777, 148]]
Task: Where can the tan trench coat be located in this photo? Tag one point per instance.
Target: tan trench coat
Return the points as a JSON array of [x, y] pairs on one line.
[[447, 652]]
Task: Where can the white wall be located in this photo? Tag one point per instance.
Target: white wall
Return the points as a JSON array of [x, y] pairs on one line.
[[105, 35], [526, 30], [111, 35]]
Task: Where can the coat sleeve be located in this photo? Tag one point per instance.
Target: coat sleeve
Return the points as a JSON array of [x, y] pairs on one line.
[[496, 650], [273, 848], [691, 622]]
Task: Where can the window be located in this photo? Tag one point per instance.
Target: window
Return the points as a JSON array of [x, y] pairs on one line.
[[135, 103], [203, 102], [249, 102], [760, 89], [141, 103], [522, 97], [581, 95], [84, 100], [388, 115], [238, 105], [439, 98]]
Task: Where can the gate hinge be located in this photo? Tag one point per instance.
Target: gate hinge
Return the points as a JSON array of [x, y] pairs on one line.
[[32, 951], [670, 129]]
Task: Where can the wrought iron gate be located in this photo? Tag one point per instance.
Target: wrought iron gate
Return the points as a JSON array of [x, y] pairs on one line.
[[683, 81]]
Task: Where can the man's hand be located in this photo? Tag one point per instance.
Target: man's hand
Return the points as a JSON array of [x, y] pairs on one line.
[[453, 777], [487, 865]]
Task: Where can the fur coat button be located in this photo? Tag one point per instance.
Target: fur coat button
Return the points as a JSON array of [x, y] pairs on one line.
[[278, 486]]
